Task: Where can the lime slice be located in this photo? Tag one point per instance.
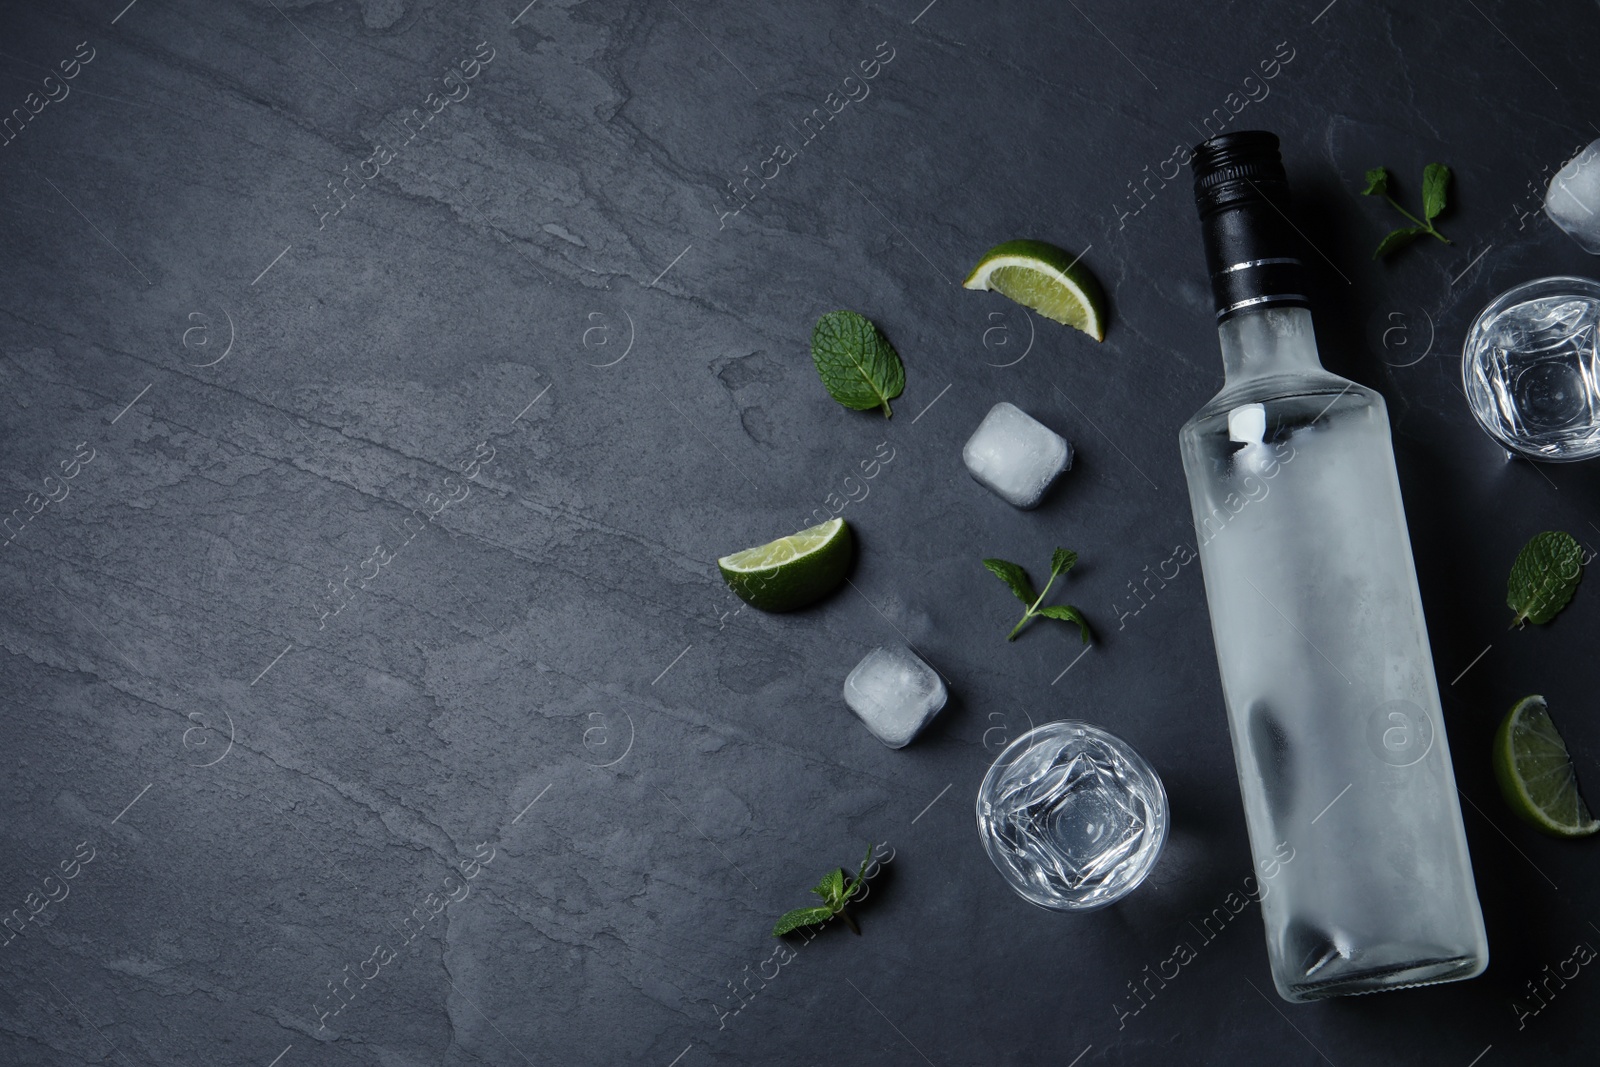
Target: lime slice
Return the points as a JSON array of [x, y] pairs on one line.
[[1535, 772], [1047, 279], [792, 571]]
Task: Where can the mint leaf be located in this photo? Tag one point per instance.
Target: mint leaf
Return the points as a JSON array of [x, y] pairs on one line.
[[831, 888], [1068, 613], [1015, 577], [1435, 181], [1061, 561], [1397, 240], [860, 877], [793, 920], [1544, 577], [857, 364]]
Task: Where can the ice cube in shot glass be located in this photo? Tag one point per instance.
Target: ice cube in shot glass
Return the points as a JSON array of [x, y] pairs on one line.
[[895, 694], [1015, 455]]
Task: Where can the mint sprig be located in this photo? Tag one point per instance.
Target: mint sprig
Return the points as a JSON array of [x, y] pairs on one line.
[[857, 364], [1544, 577], [1435, 183], [1016, 578], [835, 895]]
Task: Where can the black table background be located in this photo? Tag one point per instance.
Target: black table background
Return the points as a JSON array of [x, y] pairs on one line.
[[546, 270]]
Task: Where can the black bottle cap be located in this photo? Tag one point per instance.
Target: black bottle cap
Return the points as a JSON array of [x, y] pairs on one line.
[[1252, 247]]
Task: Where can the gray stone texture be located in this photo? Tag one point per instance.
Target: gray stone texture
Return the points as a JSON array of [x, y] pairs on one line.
[[538, 782]]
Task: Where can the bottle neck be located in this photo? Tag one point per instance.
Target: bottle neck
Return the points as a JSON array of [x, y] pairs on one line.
[[1253, 253], [1267, 341], [1253, 257]]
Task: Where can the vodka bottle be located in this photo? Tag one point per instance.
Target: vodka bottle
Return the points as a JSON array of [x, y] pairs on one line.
[[1349, 796]]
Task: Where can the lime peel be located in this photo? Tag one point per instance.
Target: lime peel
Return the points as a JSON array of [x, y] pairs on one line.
[[1535, 772], [1047, 279], [791, 572]]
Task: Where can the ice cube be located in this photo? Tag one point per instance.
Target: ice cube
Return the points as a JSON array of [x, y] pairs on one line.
[[1247, 424], [1573, 199], [1015, 455], [895, 693]]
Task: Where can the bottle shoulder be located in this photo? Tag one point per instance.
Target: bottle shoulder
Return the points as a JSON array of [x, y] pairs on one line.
[[1278, 389]]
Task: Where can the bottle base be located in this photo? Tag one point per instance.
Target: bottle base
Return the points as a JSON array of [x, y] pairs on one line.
[[1351, 977]]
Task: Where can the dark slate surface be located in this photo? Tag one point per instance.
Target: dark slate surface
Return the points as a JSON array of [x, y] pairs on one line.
[[548, 687]]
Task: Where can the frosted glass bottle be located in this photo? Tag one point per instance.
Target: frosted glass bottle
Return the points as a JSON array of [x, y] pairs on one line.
[[1333, 707]]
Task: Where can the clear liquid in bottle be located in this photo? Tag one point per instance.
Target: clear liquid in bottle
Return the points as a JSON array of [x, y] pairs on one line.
[[1333, 707]]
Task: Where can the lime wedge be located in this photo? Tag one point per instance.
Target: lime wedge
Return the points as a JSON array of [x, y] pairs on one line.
[[792, 571], [1047, 279], [1535, 772]]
